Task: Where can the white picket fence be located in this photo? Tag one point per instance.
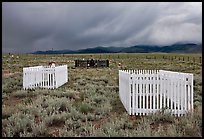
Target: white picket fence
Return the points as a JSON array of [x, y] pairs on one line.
[[44, 76], [146, 91]]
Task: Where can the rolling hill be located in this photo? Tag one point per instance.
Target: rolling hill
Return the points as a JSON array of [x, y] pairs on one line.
[[175, 48]]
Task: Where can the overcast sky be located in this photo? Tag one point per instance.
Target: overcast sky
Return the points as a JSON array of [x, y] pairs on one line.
[[33, 26]]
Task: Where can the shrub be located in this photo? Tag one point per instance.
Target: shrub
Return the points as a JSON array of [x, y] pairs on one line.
[[11, 84], [85, 108], [171, 131], [67, 133], [75, 114], [161, 118], [7, 112], [55, 119], [109, 130], [190, 125], [20, 94], [90, 117], [40, 130], [71, 124], [52, 104], [98, 99], [18, 123]]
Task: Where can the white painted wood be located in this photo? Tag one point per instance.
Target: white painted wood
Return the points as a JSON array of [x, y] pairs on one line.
[[150, 91], [140, 93], [161, 90], [157, 90], [178, 93], [147, 91], [44, 77], [154, 89], [191, 77], [130, 93], [133, 93], [189, 103], [137, 95]]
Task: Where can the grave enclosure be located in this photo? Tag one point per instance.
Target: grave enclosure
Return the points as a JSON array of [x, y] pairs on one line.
[[91, 63], [146, 91], [44, 76]]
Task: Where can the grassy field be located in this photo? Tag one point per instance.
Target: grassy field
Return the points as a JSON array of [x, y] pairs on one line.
[[89, 104]]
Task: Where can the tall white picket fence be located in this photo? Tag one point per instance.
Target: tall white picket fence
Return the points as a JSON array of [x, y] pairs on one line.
[[44, 76], [146, 91]]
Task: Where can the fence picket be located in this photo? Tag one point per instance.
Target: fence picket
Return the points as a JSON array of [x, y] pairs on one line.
[[191, 77], [136, 92], [133, 94], [154, 90], [140, 93], [179, 95]]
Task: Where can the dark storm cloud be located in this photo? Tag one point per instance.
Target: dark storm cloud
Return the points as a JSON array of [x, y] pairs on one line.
[[34, 26]]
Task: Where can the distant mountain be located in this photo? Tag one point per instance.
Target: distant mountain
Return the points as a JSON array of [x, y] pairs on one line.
[[101, 49], [183, 48], [141, 49], [55, 52], [175, 48]]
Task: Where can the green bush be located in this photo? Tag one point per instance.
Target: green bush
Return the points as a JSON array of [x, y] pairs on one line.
[[20, 94], [71, 124], [19, 123], [85, 108], [55, 119], [162, 118], [10, 84]]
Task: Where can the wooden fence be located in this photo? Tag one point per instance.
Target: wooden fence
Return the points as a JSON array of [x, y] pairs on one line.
[[45, 77], [147, 91], [91, 63]]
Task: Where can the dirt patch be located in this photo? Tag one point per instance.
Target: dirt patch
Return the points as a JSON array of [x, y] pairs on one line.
[[38, 120], [12, 101], [135, 117], [7, 73], [54, 132], [156, 125], [97, 124]]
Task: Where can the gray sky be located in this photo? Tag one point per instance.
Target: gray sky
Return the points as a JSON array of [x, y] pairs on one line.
[[33, 26]]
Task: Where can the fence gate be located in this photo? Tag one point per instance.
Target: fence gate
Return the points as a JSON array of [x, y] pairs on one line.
[[45, 77], [147, 91]]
